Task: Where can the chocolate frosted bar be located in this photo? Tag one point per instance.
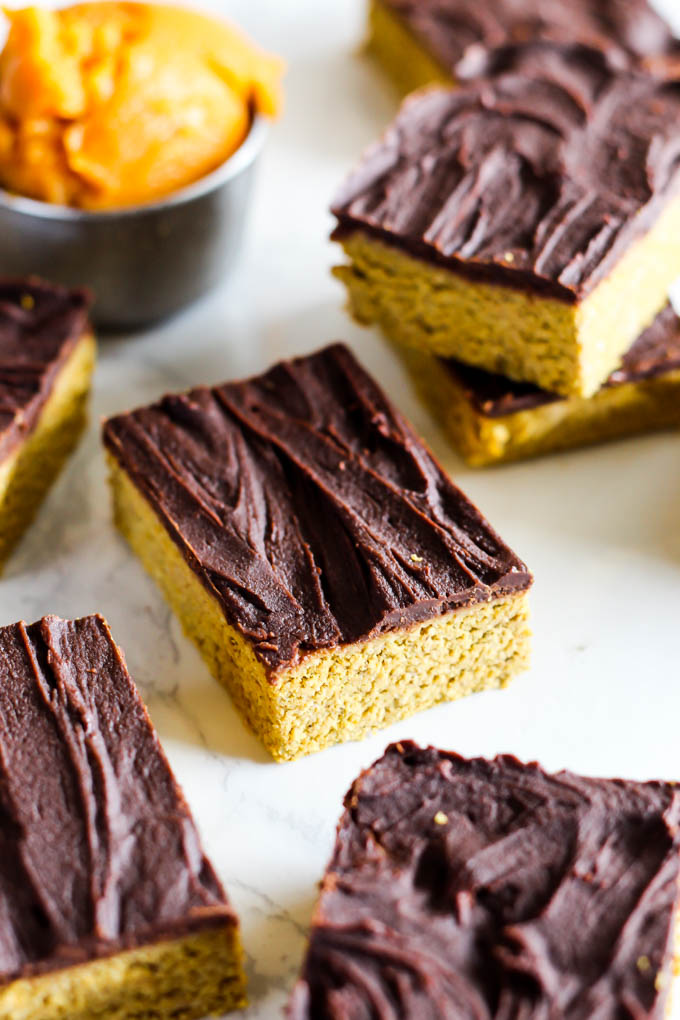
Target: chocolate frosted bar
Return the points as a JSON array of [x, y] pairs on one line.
[[654, 354], [420, 41], [108, 906], [46, 361], [492, 419], [331, 574], [473, 888], [529, 225]]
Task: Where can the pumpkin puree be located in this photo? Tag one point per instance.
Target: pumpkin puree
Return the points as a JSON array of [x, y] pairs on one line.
[[108, 104]]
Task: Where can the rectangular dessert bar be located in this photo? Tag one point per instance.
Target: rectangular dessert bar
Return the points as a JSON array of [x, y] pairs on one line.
[[491, 889], [332, 576], [528, 225], [47, 354], [492, 419], [108, 907], [419, 42]]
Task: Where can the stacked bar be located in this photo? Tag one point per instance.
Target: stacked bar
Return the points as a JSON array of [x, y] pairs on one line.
[[108, 906], [423, 41], [527, 225], [474, 888], [333, 577], [491, 420]]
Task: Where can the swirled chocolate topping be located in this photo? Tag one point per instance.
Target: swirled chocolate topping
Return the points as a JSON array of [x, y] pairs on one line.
[[98, 851], [308, 507], [540, 178], [490, 889], [655, 353], [461, 34], [40, 324]]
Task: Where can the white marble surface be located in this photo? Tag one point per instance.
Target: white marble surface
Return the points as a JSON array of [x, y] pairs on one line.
[[599, 528]]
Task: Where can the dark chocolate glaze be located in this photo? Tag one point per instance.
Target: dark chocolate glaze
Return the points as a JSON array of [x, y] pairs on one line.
[[462, 34], [309, 508], [40, 323], [539, 179], [98, 850], [489, 889], [654, 354]]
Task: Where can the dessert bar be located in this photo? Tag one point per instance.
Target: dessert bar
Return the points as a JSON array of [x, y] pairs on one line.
[[423, 41], [47, 354], [474, 888], [333, 577], [108, 906], [529, 225], [492, 419]]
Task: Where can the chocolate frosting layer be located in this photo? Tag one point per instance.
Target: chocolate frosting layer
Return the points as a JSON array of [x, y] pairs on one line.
[[308, 507], [98, 850], [655, 353], [540, 178], [40, 323], [461, 34], [490, 889]]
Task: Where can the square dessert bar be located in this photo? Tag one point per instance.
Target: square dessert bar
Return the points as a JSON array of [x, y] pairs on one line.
[[423, 41], [108, 907], [492, 419], [332, 576], [47, 354], [528, 224], [491, 889]]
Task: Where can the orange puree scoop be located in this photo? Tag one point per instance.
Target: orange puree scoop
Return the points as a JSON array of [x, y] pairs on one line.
[[109, 104]]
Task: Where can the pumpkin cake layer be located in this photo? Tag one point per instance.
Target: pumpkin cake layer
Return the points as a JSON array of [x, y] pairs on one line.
[[491, 889], [491, 419], [47, 354], [333, 577], [528, 225], [423, 41], [108, 907]]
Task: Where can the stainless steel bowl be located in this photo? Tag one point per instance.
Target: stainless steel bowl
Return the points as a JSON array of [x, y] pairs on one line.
[[144, 262]]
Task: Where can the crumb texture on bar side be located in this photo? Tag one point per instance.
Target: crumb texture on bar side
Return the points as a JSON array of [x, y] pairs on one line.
[[99, 850], [47, 355], [40, 324], [490, 889], [309, 509], [462, 33], [654, 354], [539, 179]]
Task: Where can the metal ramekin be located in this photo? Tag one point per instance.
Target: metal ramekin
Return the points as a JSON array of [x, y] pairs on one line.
[[144, 262]]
